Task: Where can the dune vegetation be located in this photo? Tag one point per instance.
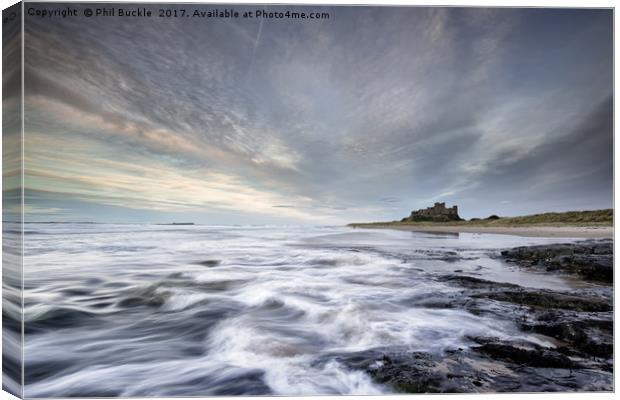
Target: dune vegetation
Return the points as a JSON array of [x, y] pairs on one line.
[[572, 218]]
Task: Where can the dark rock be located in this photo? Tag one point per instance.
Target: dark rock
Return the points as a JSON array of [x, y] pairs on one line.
[[536, 357], [438, 301], [493, 366], [591, 259], [407, 372], [548, 299], [579, 325], [471, 282], [586, 336]]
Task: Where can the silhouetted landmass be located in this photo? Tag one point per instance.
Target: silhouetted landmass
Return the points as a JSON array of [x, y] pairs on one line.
[[572, 218]]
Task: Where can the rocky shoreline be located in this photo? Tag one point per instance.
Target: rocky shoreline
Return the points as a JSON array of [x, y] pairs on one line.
[[579, 323], [593, 260]]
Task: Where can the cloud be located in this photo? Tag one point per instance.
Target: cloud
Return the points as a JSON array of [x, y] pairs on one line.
[[367, 115], [390, 200]]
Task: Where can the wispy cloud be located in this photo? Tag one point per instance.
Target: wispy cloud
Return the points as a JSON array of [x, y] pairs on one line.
[[367, 115]]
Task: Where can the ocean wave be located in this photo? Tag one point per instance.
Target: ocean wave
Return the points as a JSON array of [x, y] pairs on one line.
[[126, 310], [44, 317]]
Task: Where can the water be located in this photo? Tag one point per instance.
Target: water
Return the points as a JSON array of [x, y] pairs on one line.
[[141, 310]]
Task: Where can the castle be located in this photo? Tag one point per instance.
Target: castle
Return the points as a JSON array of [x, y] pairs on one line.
[[438, 213]]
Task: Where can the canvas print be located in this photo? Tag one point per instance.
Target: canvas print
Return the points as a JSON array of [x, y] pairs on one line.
[[213, 199]]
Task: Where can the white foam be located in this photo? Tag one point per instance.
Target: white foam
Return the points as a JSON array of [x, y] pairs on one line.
[[300, 296]]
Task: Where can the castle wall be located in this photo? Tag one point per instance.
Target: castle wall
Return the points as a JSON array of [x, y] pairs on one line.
[[438, 209]]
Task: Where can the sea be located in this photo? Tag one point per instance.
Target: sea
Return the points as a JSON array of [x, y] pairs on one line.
[[194, 310]]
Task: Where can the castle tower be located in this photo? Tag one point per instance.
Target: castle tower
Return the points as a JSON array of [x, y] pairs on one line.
[[439, 212]]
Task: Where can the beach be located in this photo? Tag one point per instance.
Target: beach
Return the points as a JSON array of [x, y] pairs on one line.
[[526, 231]]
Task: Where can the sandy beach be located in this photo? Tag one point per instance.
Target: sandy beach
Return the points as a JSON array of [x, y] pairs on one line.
[[530, 231]]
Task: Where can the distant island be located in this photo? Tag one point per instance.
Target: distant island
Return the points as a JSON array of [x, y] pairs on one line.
[[439, 218]]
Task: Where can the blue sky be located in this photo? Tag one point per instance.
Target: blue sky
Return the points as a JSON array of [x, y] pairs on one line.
[[361, 117]]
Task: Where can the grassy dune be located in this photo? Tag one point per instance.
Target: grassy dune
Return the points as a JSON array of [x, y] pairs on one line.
[[569, 218]]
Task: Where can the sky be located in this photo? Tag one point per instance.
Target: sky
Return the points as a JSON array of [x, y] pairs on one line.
[[364, 116]]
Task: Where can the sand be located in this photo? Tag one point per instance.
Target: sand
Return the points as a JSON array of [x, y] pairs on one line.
[[534, 231]]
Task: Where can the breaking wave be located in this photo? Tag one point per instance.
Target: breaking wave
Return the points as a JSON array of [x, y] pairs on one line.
[[155, 310]]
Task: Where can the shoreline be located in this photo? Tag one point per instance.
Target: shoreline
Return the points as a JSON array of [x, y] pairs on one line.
[[574, 325], [528, 231]]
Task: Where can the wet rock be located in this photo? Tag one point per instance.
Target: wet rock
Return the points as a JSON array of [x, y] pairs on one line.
[[471, 282], [586, 335], [548, 299], [578, 324], [492, 366], [536, 357], [591, 259], [407, 372], [438, 301]]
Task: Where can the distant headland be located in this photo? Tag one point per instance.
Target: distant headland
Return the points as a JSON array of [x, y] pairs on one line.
[[439, 218]]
